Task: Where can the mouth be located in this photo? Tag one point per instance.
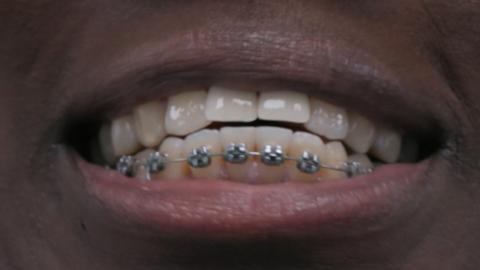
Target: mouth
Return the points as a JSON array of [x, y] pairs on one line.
[[214, 149]]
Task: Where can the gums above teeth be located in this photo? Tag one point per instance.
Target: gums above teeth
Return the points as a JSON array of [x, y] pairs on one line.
[[332, 142]]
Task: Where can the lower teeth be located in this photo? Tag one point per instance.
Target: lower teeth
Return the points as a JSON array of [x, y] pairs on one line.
[[271, 155]]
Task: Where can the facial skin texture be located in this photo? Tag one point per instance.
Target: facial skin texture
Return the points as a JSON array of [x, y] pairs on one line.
[[53, 53]]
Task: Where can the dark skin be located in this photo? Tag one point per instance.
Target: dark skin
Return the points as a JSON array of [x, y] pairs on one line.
[[48, 49]]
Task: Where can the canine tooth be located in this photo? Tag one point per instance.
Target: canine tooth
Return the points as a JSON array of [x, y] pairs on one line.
[[211, 139], [105, 143], [150, 123], [124, 137], [327, 120], [361, 133], [362, 159], [300, 142], [272, 136], [225, 105], [186, 113], [141, 158], [387, 144], [246, 135], [173, 148], [284, 106], [336, 156]]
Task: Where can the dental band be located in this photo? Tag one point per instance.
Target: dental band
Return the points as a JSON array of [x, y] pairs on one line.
[[271, 155]]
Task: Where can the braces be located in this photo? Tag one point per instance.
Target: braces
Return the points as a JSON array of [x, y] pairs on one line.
[[271, 155]]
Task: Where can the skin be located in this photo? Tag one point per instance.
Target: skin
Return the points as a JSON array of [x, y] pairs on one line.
[[47, 47]]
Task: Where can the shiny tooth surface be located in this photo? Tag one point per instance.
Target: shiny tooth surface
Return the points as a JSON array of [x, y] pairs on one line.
[[173, 148], [186, 113], [141, 157], [300, 142], [150, 123], [361, 133], [362, 159], [105, 143], [336, 155], [387, 144], [239, 172], [327, 120], [285, 106], [273, 136], [225, 105], [124, 136], [211, 139]]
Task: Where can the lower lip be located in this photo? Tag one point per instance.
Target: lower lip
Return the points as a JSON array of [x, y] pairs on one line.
[[220, 209]]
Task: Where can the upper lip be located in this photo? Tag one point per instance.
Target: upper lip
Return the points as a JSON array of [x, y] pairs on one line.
[[320, 67]]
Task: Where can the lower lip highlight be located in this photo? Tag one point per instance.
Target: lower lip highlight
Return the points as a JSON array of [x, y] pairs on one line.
[[220, 209]]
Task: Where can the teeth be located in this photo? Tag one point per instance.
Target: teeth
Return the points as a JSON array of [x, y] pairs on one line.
[[124, 137], [105, 143], [139, 170], [225, 105], [173, 148], [272, 136], [361, 133], [361, 159], [186, 113], [300, 142], [149, 123], [246, 135], [212, 141], [387, 144], [327, 120], [284, 106], [336, 155]]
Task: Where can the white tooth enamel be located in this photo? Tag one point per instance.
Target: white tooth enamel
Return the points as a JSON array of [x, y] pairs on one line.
[[186, 113], [285, 106], [105, 143], [336, 156], [173, 148], [246, 135], [124, 137], [225, 105], [150, 123], [327, 120], [141, 158], [362, 159], [303, 141], [211, 139], [272, 136], [387, 144], [361, 133]]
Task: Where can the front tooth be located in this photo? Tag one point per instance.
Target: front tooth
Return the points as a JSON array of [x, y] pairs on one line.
[[362, 159], [226, 105], [124, 136], [141, 159], [361, 133], [105, 143], [149, 123], [173, 149], [272, 136], [211, 139], [186, 113], [246, 135], [336, 156], [303, 141], [284, 106], [387, 144], [327, 120]]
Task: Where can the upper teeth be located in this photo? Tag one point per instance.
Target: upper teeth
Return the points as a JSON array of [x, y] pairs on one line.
[[184, 113]]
